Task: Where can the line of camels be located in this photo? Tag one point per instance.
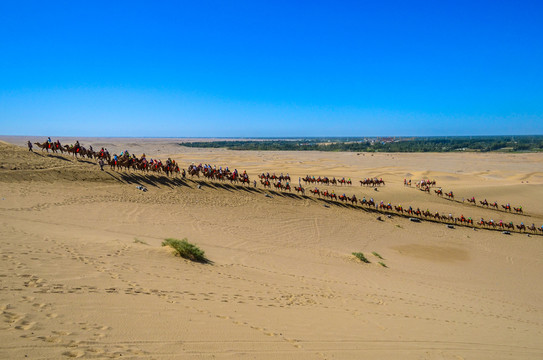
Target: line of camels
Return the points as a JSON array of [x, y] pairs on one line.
[[436, 216], [282, 183], [494, 205]]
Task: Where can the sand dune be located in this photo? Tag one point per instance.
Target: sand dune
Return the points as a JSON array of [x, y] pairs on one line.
[[83, 272]]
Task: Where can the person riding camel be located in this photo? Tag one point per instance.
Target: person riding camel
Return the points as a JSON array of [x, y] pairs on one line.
[[49, 142]]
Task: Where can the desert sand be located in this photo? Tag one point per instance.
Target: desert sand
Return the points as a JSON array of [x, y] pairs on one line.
[[83, 272]]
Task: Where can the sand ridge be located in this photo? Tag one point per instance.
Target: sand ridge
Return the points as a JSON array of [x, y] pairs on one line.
[[83, 273]]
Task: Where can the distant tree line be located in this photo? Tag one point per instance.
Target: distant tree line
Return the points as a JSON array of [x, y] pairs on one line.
[[417, 144]]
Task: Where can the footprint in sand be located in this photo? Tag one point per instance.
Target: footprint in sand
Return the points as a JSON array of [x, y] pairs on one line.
[[25, 325], [74, 353]]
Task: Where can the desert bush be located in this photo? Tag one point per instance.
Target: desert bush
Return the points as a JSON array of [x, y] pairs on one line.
[[186, 250], [361, 257]]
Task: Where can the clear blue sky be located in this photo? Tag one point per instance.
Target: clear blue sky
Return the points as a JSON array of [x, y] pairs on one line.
[[254, 68]]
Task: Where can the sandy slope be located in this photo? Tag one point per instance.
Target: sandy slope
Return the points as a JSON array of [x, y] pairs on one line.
[[83, 274]]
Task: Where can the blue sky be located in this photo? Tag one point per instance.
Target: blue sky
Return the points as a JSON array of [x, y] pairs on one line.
[[265, 69]]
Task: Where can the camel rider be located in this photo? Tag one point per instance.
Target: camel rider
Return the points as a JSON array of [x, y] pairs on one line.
[[49, 141]]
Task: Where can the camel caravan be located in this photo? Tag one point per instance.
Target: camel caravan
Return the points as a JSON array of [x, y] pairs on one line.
[[484, 203], [127, 161], [73, 149], [220, 174], [324, 180]]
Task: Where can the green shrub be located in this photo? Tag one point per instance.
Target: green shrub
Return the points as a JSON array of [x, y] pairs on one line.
[[186, 250], [383, 264], [377, 255], [361, 257]]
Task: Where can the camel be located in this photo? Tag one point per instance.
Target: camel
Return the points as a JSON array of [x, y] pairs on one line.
[[315, 192], [45, 146]]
